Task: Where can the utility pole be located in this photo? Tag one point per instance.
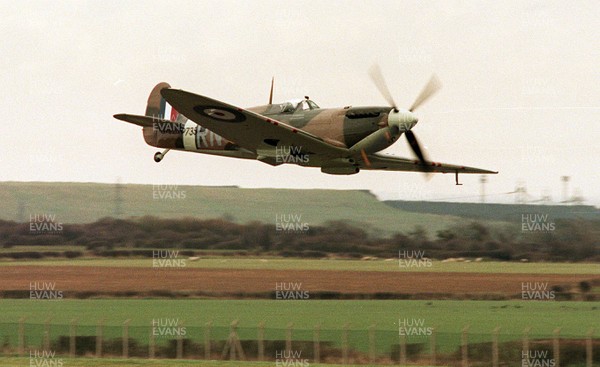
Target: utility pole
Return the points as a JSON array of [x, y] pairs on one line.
[[483, 181], [565, 194]]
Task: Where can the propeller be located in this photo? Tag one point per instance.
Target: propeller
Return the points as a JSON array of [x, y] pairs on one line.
[[432, 87], [428, 91], [379, 80]]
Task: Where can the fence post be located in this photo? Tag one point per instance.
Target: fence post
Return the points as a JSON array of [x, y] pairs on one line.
[[207, 340], [152, 342], [233, 344], [22, 336], [372, 343], [72, 338], [99, 337], [525, 351], [402, 358], [288, 337], [433, 346], [495, 347], [230, 340], [180, 342], [465, 346], [126, 338], [238, 343], [317, 343], [261, 341], [46, 342], [556, 347], [345, 343], [588, 347]]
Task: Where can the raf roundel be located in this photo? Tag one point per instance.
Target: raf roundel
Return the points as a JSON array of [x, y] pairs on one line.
[[220, 113]]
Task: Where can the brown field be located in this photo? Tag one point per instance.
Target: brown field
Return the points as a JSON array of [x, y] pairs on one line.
[[237, 283]]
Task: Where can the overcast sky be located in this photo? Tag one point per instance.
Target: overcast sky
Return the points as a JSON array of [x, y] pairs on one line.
[[521, 87]]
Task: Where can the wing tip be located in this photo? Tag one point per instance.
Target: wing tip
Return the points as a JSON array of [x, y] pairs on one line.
[[169, 92], [483, 172]]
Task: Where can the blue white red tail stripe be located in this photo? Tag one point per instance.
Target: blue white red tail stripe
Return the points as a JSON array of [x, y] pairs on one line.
[[167, 112]]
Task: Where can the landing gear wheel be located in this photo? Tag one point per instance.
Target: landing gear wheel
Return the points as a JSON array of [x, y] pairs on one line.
[[158, 156]]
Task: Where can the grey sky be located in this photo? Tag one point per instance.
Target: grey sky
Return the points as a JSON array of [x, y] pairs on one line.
[[521, 86]]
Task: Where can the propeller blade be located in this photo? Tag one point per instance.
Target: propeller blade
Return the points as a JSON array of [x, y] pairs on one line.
[[416, 148], [414, 144], [379, 81], [429, 90]]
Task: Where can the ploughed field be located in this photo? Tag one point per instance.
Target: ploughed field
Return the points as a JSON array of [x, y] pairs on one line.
[[86, 281]]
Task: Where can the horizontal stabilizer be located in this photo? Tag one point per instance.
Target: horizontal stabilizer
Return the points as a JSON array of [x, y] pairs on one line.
[[143, 121]]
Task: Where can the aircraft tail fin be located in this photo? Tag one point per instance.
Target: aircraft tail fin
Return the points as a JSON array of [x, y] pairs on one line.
[[159, 109], [159, 115]]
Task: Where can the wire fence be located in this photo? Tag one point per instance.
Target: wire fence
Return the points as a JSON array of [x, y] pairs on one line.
[[173, 339]]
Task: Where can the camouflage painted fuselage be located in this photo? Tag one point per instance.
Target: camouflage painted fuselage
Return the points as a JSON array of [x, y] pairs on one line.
[[341, 127]]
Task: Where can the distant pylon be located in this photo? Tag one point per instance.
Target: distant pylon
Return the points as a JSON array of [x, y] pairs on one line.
[[483, 181], [546, 198], [20, 210], [521, 193], [118, 209]]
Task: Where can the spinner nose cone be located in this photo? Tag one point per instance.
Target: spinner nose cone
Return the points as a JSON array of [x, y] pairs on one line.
[[404, 120], [411, 119]]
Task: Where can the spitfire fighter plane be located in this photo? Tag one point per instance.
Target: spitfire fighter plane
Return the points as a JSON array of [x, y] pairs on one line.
[[340, 141]]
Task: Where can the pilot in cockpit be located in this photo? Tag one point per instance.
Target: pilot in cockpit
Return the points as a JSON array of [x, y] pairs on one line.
[[296, 105]]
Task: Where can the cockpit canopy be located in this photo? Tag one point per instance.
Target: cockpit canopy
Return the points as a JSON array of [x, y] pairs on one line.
[[293, 105]]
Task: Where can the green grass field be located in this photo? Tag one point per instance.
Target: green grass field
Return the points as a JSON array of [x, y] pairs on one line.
[[448, 317], [357, 265]]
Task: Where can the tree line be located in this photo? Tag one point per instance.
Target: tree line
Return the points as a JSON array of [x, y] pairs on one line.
[[573, 240]]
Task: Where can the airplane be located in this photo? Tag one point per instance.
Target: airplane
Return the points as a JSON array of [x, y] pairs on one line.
[[340, 141]]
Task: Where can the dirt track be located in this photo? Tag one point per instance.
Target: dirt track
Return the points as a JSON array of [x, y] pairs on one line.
[[225, 281]]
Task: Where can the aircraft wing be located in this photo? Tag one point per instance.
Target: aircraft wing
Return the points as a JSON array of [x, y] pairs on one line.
[[391, 163], [249, 130]]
